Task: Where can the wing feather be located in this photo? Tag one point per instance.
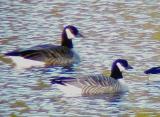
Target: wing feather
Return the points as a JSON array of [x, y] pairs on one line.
[[48, 53]]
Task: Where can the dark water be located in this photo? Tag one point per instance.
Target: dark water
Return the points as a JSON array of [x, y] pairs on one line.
[[117, 29]]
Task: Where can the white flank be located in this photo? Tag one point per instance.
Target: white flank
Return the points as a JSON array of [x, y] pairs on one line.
[[22, 63], [123, 84], [69, 34], [70, 90], [121, 68]]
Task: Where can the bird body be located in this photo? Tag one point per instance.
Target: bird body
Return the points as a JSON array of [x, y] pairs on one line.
[[48, 54], [93, 84]]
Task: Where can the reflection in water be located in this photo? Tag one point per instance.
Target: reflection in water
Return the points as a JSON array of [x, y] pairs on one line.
[[113, 29], [115, 98]]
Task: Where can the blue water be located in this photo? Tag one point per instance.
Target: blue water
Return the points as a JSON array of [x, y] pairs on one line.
[[112, 29]]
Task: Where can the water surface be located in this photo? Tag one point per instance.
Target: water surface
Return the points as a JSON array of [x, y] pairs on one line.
[[112, 29]]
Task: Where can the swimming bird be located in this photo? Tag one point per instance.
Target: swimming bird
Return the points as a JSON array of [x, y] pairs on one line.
[[94, 84], [48, 54]]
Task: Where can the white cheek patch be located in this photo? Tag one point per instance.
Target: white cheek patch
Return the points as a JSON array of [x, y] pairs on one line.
[[69, 34], [121, 68]]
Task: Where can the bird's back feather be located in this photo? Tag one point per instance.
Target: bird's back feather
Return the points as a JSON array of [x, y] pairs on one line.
[[91, 85], [50, 54]]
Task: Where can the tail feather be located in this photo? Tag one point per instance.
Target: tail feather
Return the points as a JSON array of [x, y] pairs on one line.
[[13, 53], [62, 80]]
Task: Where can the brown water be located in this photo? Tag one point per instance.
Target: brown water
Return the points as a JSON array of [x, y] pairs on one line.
[[113, 29]]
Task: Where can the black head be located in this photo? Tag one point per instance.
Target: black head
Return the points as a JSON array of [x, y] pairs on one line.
[[118, 67], [69, 33], [153, 70]]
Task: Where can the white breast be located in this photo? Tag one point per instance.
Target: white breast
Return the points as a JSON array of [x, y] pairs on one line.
[[123, 85], [76, 56]]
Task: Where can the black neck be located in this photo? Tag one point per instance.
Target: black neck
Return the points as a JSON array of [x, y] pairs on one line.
[[65, 41], [116, 73]]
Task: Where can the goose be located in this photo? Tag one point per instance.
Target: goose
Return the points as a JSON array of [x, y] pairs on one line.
[[94, 84], [48, 54]]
